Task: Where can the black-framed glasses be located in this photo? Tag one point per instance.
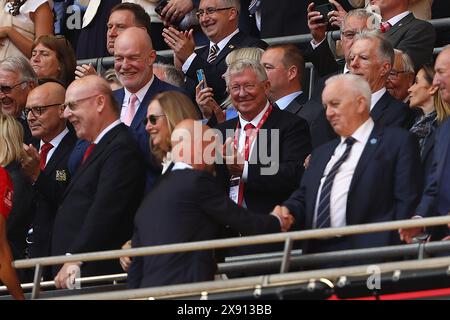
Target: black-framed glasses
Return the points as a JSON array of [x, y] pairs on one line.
[[39, 110], [72, 104], [152, 119], [209, 11], [8, 89]]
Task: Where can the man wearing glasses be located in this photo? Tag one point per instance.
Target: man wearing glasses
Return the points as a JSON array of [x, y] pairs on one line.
[[219, 22], [97, 208], [17, 79], [48, 167]]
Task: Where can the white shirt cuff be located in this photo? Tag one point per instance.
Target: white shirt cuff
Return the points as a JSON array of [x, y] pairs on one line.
[[188, 62]]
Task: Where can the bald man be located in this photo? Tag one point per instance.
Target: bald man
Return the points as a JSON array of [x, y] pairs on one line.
[[134, 58], [188, 205], [48, 167], [98, 206]]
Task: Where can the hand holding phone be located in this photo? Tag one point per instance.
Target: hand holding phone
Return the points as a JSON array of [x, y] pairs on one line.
[[200, 77], [324, 9]]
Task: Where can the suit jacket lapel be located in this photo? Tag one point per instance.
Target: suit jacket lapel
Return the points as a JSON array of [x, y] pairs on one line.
[[366, 156], [297, 103], [377, 111], [403, 23], [230, 46], [64, 146]]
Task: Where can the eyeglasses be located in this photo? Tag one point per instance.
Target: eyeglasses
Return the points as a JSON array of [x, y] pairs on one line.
[[8, 89], [396, 73], [72, 104], [38, 110], [248, 87], [349, 34], [209, 11], [152, 119]]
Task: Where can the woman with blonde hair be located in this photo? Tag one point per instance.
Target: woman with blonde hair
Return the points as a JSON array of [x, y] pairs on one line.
[[11, 154], [204, 96]]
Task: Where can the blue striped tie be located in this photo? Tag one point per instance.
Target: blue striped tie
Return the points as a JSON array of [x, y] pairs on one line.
[[323, 212]]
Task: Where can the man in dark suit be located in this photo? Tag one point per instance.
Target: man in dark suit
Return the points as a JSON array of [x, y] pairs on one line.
[[134, 57], [436, 196], [284, 66], [372, 57], [188, 205], [219, 21], [98, 206], [47, 168], [269, 145], [368, 175]]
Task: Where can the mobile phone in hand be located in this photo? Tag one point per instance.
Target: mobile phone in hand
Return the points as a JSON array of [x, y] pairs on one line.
[[200, 77], [324, 9]]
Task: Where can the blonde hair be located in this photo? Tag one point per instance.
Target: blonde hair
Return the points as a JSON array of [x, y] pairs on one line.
[[176, 107], [11, 140]]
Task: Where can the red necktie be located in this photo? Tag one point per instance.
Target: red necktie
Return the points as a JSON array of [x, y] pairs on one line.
[[88, 152], [44, 152], [385, 26], [248, 132]]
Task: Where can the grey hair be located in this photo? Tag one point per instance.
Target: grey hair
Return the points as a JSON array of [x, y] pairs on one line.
[[408, 65], [357, 84], [385, 49], [19, 65], [239, 66], [357, 13], [232, 3], [173, 75], [253, 53]]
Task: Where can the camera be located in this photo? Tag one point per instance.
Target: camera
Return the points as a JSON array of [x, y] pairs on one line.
[[324, 9]]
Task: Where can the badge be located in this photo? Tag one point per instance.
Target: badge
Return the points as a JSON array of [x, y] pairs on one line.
[[234, 188], [373, 141], [61, 175]]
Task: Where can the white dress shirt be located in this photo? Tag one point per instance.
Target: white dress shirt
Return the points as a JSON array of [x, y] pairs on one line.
[[376, 96], [343, 179], [140, 96], [106, 130], [394, 20], [55, 143], [283, 102]]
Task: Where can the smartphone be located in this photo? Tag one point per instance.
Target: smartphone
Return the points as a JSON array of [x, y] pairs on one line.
[[200, 77], [159, 8], [324, 9]]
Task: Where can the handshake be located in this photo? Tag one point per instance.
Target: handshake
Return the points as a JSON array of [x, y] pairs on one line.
[[285, 217]]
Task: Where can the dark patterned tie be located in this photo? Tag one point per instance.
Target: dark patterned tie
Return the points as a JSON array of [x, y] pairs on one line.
[[213, 53], [323, 212]]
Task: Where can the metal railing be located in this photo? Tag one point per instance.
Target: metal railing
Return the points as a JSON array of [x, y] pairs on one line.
[[38, 263]]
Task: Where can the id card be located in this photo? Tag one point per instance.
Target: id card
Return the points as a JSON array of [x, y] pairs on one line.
[[235, 182]]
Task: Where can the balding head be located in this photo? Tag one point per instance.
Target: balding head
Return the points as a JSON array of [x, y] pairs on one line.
[[90, 106], [133, 58], [193, 143], [45, 114]]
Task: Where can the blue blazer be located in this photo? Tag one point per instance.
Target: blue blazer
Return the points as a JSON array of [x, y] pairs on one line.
[[137, 129], [386, 185]]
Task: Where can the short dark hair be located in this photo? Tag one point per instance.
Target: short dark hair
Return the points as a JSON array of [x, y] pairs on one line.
[[141, 17]]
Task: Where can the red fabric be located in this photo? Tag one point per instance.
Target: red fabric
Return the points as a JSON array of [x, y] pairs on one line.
[[385, 26], [6, 193], [46, 147], [88, 152]]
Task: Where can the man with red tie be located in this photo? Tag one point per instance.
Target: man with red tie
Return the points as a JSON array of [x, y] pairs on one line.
[[47, 167], [98, 206], [270, 144]]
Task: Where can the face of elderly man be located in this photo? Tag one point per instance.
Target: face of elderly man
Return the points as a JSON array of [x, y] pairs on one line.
[[364, 61], [352, 26], [216, 26], [442, 75], [13, 93], [248, 93], [345, 109], [399, 80], [45, 113]]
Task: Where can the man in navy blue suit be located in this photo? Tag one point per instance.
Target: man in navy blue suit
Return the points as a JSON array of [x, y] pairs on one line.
[[436, 197], [134, 58], [369, 174]]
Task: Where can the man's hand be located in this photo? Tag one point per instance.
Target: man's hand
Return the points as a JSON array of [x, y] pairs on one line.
[[84, 70], [31, 163], [207, 104], [125, 262], [175, 10], [181, 42], [287, 219], [336, 16], [65, 279], [407, 235], [316, 28]]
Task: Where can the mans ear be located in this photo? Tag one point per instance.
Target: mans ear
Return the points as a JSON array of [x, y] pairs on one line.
[[292, 72], [385, 68], [100, 100]]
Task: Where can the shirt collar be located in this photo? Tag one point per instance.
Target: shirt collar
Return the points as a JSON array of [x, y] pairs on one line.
[[376, 96], [106, 130], [283, 102], [181, 166], [256, 119], [362, 134], [222, 43], [57, 140], [139, 94], [394, 20]]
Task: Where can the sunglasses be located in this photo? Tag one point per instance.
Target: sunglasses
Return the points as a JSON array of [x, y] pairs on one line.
[[8, 89], [38, 110], [152, 119]]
